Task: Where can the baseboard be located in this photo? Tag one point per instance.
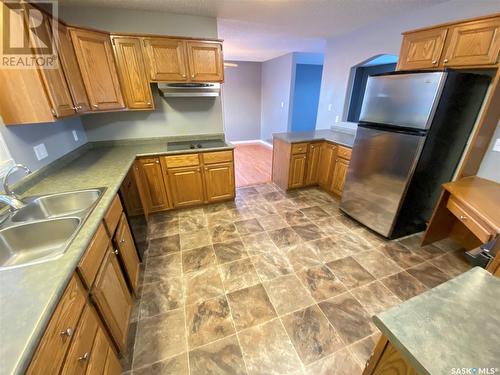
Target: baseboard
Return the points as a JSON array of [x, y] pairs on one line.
[[267, 144]]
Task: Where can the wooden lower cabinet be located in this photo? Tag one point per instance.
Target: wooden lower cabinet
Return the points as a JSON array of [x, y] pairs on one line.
[[219, 181], [113, 300], [339, 175], [155, 184], [130, 194], [186, 186], [297, 171], [127, 253], [326, 164], [387, 360], [313, 156]]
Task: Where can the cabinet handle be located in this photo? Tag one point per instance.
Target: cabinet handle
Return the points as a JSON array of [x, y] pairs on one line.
[[53, 111], [116, 252], [434, 62], [84, 357], [75, 108], [157, 162], [68, 332], [95, 106], [445, 60], [122, 241], [148, 103], [463, 217], [192, 75], [183, 75]]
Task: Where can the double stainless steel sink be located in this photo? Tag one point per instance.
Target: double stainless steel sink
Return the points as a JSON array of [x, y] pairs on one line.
[[43, 229]]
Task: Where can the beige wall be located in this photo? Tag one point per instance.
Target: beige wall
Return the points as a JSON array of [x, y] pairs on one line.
[[174, 116]]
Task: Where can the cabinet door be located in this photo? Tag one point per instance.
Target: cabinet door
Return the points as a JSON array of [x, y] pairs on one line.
[[166, 59], [49, 356], [132, 72], [205, 61], [113, 300], [219, 181], [142, 189], [313, 154], [101, 350], [53, 79], [128, 253], [80, 352], [421, 49], [474, 43], [297, 171], [130, 194], [95, 59], [155, 184], [326, 164], [186, 185], [71, 70], [339, 175]]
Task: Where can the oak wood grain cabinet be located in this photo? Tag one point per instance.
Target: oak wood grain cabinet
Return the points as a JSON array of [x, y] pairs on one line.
[[71, 70], [386, 359], [112, 298], [51, 351], [339, 175], [219, 181], [94, 54], [326, 164], [91, 261], [205, 61], [154, 191], [132, 72], [472, 43], [166, 59], [297, 171], [125, 246], [313, 154], [422, 50], [130, 193], [186, 186]]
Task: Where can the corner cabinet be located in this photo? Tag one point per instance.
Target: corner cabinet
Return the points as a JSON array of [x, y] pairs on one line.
[[474, 43], [94, 54], [132, 72]]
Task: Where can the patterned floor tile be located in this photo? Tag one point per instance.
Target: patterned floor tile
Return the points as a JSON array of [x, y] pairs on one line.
[[250, 306], [238, 275], [220, 357], [321, 282], [287, 294]]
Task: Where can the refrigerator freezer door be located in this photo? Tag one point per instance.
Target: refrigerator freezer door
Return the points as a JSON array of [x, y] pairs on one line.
[[380, 170], [405, 100]]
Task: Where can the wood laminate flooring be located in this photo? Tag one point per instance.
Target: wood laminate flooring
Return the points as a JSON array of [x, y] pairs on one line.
[[252, 164]]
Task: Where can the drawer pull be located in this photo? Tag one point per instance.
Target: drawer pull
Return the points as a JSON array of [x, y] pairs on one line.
[[463, 217], [68, 332], [116, 252], [84, 357]]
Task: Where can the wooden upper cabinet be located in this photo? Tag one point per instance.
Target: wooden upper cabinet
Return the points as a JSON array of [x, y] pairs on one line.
[[219, 181], [74, 79], [205, 61], [95, 59], [53, 79], [166, 59], [132, 72], [473, 43], [154, 183], [113, 300], [422, 49]]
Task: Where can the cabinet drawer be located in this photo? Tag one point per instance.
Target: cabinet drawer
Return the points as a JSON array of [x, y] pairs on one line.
[[344, 152], [217, 157], [80, 352], [52, 349], [92, 259], [474, 225], [176, 161], [113, 215], [299, 148]]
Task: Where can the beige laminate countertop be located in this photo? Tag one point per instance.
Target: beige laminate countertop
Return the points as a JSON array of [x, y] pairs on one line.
[[343, 138], [29, 295]]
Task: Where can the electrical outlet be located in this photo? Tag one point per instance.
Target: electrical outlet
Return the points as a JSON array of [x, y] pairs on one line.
[[40, 151], [75, 135], [496, 146]]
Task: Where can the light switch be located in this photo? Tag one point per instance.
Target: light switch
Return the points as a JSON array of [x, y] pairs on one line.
[[496, 146], [40, 151]]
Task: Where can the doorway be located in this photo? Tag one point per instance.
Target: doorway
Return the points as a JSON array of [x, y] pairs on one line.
[[306, 97]]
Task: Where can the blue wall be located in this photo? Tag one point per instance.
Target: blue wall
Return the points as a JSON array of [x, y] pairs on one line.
[[306, 97]]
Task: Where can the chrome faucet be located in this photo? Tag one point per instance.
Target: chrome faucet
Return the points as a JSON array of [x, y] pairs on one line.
[[10, 198]]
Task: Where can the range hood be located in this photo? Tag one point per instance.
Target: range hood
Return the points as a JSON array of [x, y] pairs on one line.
[[189, 89]]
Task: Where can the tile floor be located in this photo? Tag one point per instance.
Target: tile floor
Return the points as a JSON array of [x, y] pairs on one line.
[[272, 283]]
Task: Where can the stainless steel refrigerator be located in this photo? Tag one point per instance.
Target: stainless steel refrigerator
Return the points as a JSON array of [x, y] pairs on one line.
[[412, 132]]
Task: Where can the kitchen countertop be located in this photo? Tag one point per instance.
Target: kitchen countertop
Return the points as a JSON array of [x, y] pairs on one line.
[[344, 138], [29, 295], [455, 325]]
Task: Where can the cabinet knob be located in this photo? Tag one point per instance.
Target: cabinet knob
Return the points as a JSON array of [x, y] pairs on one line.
[[184, 75], [79, 107], [68, 332], [434, 62], [75, 108], [148, 103], [445, 60], [53, 111], [122, 241], [116, 252], [84, 357], [95, 106], [157, 162], [192, 75], [463, 217]]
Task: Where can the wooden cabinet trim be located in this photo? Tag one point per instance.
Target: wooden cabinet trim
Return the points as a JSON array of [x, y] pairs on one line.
[[92, 259], [112, 217]]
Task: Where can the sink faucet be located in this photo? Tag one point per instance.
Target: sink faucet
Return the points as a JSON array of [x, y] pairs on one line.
[[10, 198]]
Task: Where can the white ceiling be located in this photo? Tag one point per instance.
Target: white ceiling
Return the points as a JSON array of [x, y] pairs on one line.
[[258, 30]]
